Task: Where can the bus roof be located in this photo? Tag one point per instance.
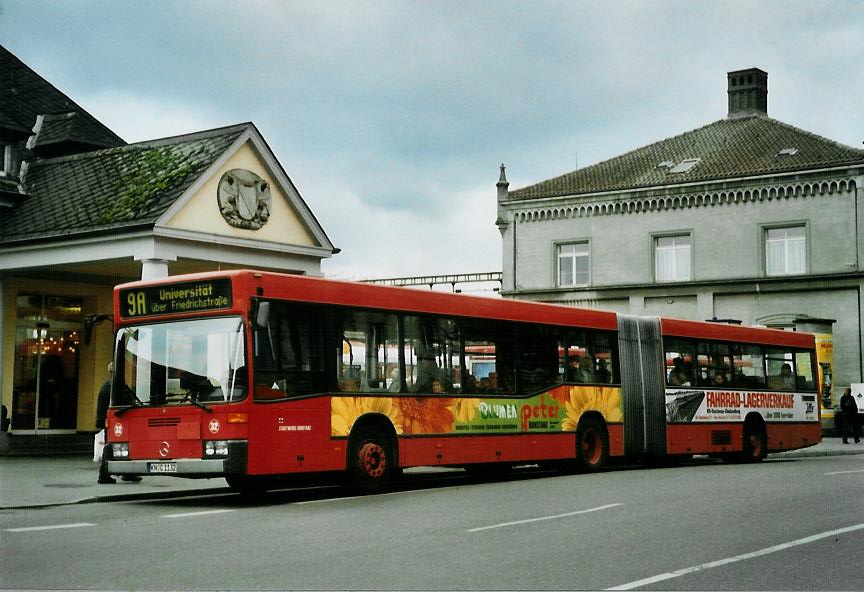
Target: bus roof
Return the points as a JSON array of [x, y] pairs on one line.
[[345, 293], [739, 333]]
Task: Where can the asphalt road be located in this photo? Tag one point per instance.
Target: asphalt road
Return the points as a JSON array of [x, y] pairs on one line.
[[782, 525]]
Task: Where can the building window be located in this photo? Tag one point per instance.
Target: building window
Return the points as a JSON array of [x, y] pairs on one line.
[[672, 258], [573, 264], [785, 250], [6, 160]]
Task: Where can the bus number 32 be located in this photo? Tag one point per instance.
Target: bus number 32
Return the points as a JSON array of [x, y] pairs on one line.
[[137, 303]]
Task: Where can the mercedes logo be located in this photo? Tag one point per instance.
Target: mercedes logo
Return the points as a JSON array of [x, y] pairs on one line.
[[163, 449]]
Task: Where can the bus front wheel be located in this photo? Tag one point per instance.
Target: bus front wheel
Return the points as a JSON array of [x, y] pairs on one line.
[[248, 484], [592, 445], [372, 462]]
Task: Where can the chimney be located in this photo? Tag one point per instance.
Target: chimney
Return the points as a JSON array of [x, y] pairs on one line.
[[748, 92]]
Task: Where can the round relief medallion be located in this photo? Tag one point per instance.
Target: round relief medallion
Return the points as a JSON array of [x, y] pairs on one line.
[[244, 199]]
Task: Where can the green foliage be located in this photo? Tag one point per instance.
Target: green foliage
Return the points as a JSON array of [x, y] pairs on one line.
[[141, 185]]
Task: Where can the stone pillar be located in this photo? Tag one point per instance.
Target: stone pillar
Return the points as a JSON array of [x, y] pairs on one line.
[[152, 269]]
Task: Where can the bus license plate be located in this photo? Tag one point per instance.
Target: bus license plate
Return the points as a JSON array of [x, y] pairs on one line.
[[161, 467]]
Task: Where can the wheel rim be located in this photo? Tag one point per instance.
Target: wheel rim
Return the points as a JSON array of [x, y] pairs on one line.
[[592, 447], [372, 460]]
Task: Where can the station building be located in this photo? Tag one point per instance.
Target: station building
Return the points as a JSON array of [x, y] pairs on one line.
[[81, 211], [746, 218]]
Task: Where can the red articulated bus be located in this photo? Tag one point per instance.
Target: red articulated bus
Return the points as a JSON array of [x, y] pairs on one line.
[[257, 377]]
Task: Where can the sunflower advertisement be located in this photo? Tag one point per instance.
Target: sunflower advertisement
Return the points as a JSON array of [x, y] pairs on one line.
[[552, 411]]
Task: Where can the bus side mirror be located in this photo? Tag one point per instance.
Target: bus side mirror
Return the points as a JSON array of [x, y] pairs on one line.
[[90, 323]]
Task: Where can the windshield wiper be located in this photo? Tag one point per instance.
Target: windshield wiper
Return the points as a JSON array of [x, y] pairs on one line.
[[191, 399], [122, 410]]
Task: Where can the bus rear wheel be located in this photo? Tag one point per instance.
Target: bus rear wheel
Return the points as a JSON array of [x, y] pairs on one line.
[[755, 445], [371, 462], [592, 445]]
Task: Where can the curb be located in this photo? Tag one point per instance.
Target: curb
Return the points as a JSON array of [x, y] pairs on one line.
[[125, 497], [815, 453]]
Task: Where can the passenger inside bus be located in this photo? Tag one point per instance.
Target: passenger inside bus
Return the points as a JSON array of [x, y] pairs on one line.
[[395, 381], [580, 370], [469, 385], [679, 376], [603, 376], [787, 379], [427, 370]]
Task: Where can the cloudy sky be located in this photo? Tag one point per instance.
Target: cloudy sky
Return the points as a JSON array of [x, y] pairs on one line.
[[392, 118]]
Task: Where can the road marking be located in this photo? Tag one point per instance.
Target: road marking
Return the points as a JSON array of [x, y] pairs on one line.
[[845, 472], [720, 562], [204, 513], [353, 497], [51, 527], [328, 500], [529, 520]]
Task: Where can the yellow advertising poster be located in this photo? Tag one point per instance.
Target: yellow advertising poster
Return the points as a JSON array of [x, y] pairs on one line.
[[825, 357]]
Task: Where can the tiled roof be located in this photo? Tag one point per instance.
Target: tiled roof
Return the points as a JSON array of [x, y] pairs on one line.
[[24, 95], [729, 148], [113, 189]]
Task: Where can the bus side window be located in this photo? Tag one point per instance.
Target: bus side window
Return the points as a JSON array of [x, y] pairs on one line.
[[575, 366], [679, 355], [604, 358], [589, 357], [538, 358], [290, 358], [779, 366], [489, 355], [804, 378], [368, 360], [714, 365], [749, 366]]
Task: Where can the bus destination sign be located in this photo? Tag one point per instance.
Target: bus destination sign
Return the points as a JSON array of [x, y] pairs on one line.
[[176, 298]]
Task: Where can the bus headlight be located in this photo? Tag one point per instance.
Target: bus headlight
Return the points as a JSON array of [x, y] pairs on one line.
[[120, 449], [216, 448]]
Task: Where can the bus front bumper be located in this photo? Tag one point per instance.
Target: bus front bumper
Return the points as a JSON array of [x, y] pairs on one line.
[[181, 467], [191, 468]]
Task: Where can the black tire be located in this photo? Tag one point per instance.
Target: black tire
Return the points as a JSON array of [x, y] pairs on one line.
[[487, 471], [592, 445], [755, 444], [371, 462], [248, 484]]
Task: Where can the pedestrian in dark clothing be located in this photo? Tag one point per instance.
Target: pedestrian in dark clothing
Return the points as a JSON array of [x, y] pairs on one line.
[[103, 400], [849, 409]]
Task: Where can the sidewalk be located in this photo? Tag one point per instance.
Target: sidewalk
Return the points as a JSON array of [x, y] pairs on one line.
[[40, 481]]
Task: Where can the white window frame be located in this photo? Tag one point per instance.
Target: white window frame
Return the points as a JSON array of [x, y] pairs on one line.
[[573, 250], [785, 254], [673, 251]]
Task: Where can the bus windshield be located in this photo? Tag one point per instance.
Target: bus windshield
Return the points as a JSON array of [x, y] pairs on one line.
[[181, 363]]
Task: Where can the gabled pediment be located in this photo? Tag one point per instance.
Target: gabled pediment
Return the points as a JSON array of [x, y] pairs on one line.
[[246, 196]]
